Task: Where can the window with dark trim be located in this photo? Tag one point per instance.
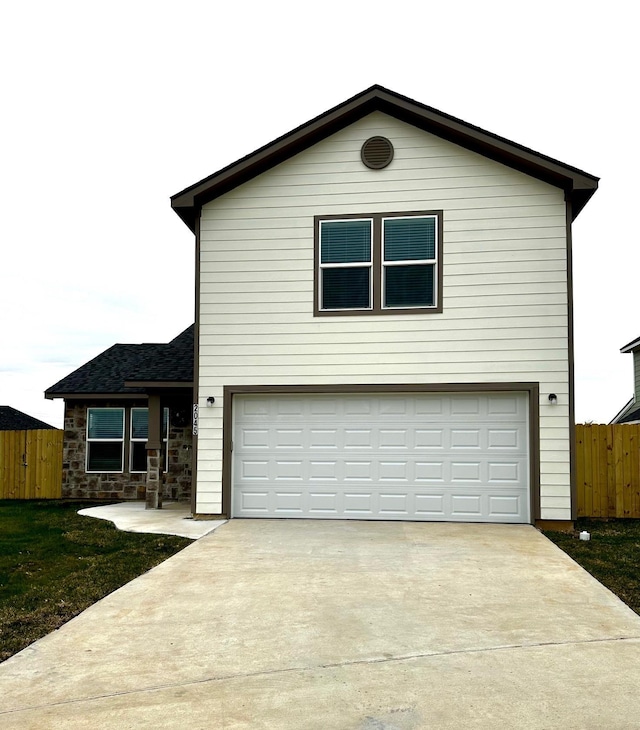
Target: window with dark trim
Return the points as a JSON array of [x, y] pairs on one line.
[[388, 263]]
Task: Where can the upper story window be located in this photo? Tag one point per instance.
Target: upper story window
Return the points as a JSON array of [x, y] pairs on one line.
[[378, 264]]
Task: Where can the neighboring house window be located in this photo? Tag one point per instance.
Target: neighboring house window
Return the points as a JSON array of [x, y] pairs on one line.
[[105, 439], [140, 436], [378, 264]]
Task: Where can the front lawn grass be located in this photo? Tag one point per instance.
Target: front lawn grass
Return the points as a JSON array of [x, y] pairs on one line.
[[612, 555], [55, 563]]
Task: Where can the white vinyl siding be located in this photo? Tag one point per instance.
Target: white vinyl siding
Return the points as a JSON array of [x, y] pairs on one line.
[[504, 291]]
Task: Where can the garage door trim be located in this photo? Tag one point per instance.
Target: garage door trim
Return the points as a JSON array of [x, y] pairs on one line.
[[532, 389]]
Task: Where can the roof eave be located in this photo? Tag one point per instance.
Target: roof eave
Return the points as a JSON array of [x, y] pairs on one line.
[[631, 346], [628, 406], [578, 185], [159, 384], [93, 396]]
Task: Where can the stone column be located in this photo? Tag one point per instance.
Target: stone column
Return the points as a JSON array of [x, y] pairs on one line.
[[154, 479], [154, 454]]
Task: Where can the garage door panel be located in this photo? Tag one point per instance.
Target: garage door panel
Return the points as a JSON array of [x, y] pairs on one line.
[[323, 438], [466, 505], [504, 473], [504, 438], [288, 438], [323, 471], [430, 506], [432, 438], [251, 471], [378, 463], [255, 438], [254, 502], [355, 471], [508, 507], [429, 471]]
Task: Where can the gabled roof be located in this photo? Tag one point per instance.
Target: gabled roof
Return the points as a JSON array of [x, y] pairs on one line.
[[12, 419], [579, 186], [631, 346], [111, 371]]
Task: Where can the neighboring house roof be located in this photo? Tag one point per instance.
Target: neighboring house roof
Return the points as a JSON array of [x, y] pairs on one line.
[[630, 413], [112, 370], [624, 411], [579, 186], [631, 346], [12, 419], [631, 417]]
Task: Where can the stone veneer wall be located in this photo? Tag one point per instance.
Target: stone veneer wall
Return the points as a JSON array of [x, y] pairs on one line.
[[78, 484]]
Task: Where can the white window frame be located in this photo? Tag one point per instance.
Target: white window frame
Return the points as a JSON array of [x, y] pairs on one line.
[[409, 262], [121, 441], [378, 265], [132, 440], [347, 265]]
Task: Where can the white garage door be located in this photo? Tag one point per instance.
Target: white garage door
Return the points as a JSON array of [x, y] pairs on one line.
[[426, 456]]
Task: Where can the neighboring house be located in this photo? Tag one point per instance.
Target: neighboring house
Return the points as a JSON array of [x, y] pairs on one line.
[[110, 450], [384, 322], [631, 412], [12, 419]]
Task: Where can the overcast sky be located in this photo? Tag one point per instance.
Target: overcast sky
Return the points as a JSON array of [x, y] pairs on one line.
[[110, 108]]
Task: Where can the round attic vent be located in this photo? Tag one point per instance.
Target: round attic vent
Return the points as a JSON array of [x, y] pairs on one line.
[[377, 152]]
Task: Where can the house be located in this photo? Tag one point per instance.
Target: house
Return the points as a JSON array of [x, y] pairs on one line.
[[384, 322], [12, 419], [631, 411], [111, 450]]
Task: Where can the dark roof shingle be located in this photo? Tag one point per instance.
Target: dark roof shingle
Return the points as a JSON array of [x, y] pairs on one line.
[[633, 415], [108, 372], [12, 419], [172, 362]]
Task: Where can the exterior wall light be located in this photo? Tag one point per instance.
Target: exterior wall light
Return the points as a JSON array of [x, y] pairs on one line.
[[553, 398], [210, 401]]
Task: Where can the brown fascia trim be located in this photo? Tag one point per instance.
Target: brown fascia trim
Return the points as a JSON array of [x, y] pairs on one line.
[[158, 384], [577, 184], [196, 371], [94, 396], [571, 365], [533, 390]]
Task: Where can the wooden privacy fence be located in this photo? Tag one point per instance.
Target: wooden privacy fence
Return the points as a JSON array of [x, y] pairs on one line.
[[31, 464], [608, 470]]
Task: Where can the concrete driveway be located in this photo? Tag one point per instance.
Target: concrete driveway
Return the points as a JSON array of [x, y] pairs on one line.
[[368, 625]]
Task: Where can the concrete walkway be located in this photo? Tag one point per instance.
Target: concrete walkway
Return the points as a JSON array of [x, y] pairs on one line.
[[363, 625], [173, 519]]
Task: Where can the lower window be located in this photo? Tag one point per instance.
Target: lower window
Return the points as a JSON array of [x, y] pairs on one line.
[[140, 436], [106, 439]]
